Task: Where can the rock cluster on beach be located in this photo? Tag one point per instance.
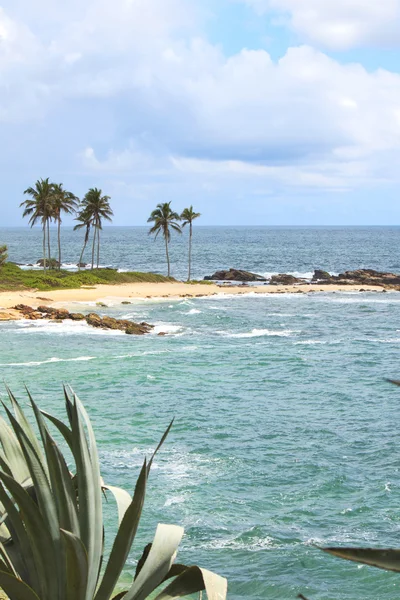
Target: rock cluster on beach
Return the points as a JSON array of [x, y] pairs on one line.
[[92, 319], [234, 275], [360, 276]]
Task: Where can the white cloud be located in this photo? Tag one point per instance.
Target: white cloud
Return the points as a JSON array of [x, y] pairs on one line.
[[131, 87], [340, 24]]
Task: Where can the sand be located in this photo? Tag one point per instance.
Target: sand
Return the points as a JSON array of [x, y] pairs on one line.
[[126, 292]]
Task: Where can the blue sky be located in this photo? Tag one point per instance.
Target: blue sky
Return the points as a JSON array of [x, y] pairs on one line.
[[258, 112]]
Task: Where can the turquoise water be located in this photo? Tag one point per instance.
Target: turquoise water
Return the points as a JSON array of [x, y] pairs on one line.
[[286, 432]]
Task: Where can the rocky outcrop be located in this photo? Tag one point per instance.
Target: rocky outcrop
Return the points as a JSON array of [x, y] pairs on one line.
[[284, 279], [321, 275], [52, 263], [234, 275], [92, 319], [359, 276]]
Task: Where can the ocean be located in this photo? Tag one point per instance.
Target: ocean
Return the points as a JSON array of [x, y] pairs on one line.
[[286, 430]]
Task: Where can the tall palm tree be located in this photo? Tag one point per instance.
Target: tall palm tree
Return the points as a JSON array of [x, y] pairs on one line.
[[96, 207], [63, 201], [188, 216], [85, 220], [39, 208], [164, 219]]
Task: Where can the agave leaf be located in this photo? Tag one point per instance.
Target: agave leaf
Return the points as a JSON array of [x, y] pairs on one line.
[[158, 562], [62, 487], [43, 548], [159, 446], [194, 580], [89, 493], [20, 547], [122, 499], [13, 453], [62, 428], [15, 588], [124, 539], [24, 424], [387, 559], [9, 567], [77, 567], [38, 470]]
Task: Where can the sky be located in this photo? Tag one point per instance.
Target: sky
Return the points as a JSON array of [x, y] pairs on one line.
[[257, 112]]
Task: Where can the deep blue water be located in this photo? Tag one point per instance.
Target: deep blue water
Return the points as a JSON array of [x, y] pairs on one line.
[[261, 249], [286, 433]]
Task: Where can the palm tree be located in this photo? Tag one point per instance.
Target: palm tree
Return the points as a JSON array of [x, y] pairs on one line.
[[164, 218], [39, 208], [96, 207], [85, 220], [63, 201], [188, 216]]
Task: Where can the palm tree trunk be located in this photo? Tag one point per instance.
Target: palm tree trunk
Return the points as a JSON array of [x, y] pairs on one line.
[[44, 246], [167, 253], [48, 241], [98, 247], [81, 256], [59, 244], [93, 247], [190, 251]]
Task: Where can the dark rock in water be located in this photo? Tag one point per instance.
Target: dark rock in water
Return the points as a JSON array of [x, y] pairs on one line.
[[81, 265], [234, 275], [320, 275], [284, 279], [369, 277], [51, 263], [161, 334], [77, 317], [126, 302]]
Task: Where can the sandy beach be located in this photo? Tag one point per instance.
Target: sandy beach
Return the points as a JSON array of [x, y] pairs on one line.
[[102, 293]]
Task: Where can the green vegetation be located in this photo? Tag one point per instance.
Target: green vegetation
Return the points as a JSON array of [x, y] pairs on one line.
[[164, 219], [188, 216], [3, 255], [14, 278], [52, 532]]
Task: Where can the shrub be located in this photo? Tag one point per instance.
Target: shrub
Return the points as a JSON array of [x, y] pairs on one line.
[[3, 255]]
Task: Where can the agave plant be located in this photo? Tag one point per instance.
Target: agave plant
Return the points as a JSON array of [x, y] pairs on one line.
[[51, 521]]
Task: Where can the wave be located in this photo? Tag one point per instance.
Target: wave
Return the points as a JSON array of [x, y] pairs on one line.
[[193, 311], [65, 328], [260, 333], [169, 329], [48, 361]]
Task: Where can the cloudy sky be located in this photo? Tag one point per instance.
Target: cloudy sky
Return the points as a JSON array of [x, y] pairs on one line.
[[272, 112]]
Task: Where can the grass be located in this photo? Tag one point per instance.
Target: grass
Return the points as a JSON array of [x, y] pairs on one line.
[[14, 278]]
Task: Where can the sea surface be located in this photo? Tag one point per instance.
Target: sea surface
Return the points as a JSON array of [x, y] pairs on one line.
[[286, 433]]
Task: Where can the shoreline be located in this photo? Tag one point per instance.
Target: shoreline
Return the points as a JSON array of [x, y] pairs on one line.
[[142, 291]]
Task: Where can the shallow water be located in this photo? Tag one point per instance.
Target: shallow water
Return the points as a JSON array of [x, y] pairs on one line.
[[286, 432]]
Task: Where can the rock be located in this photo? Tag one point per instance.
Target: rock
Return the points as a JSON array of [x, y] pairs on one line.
[[94, 320], [284, 279], [126, 302], [321, 275], [101, 304], [77, 317], [234, 275], [51, 263], [81, 265], [369, 277], [162, 333]]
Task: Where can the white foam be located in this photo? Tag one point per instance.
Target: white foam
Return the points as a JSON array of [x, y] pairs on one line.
[[67, 327], [170, 329], [260, 333], [309, 342], [174, 500], [48, 361], [194, 311]]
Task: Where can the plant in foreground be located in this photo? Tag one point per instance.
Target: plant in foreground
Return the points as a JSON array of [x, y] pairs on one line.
[[51, 521]]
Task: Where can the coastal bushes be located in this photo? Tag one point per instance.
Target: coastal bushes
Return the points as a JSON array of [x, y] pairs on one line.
[[3, 255], [52, 533], [14, 278]]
